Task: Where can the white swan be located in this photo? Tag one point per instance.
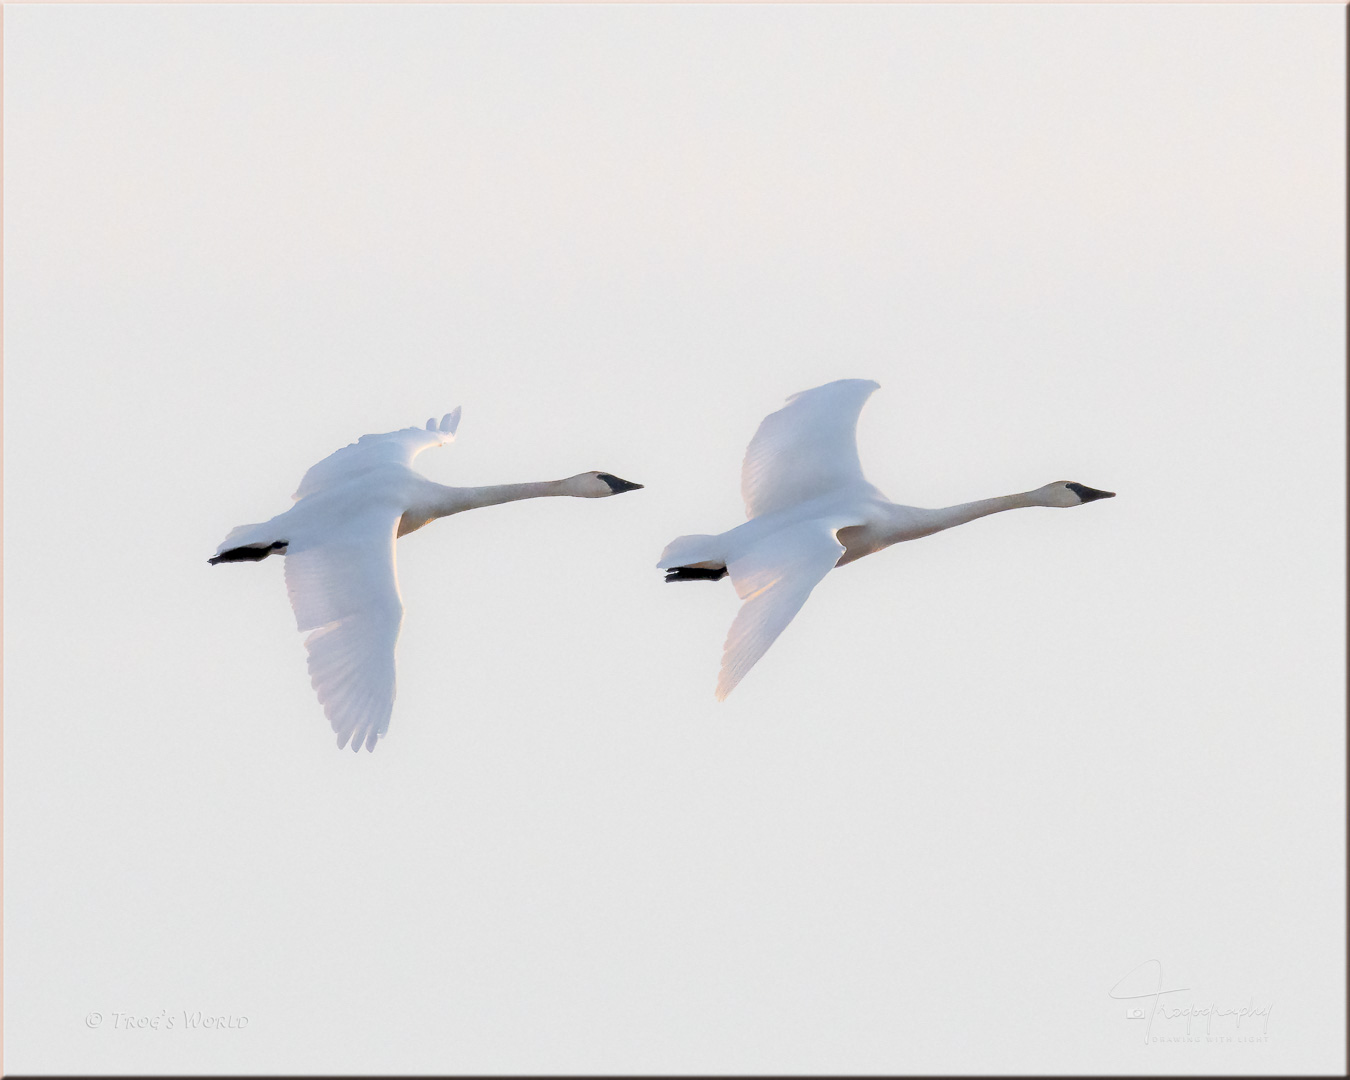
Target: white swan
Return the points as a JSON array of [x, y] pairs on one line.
[[810, 509], [338, 540]]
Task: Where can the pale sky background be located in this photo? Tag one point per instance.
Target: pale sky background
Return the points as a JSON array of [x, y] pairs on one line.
[[981, 777]]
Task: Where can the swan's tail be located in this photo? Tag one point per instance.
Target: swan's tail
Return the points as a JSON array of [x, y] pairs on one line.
[[693, 558], [249, 543]]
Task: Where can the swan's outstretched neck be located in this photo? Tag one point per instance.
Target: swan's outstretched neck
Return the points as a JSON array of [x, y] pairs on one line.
[[950, 516], [457, 499], [441, 501], [437, 500], [910, 523]]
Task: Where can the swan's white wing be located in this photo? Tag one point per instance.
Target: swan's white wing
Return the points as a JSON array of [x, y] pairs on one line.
[[773, 579], [370, 451], [346, 591], [806, 449]]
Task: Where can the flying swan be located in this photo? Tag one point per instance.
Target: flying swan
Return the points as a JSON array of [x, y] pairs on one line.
[[810, 509], [338, 540]]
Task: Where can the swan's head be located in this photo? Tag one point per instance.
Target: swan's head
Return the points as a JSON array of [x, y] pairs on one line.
[[1069, 493], [598, 485]]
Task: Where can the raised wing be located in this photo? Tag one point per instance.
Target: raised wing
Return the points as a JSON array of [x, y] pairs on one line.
[[370, 451], [346, 591], [805, 449], [773, 580]]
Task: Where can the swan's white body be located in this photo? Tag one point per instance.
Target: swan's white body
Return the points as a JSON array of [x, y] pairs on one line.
[[810, 509], [338, 540]]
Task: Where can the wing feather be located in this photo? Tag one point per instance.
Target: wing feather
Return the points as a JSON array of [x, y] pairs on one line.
[[371, 451], [773, 580], [806, 449], [345, 590]]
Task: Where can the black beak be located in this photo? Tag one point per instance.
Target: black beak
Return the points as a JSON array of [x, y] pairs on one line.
[[1088, 494], [616, 485]]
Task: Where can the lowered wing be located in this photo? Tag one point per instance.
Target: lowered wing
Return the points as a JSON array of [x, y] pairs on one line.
[[345, 590], [773, 580]]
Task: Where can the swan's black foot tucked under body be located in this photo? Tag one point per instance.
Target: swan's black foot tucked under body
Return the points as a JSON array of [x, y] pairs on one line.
[[250, 553], [696, 573]]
